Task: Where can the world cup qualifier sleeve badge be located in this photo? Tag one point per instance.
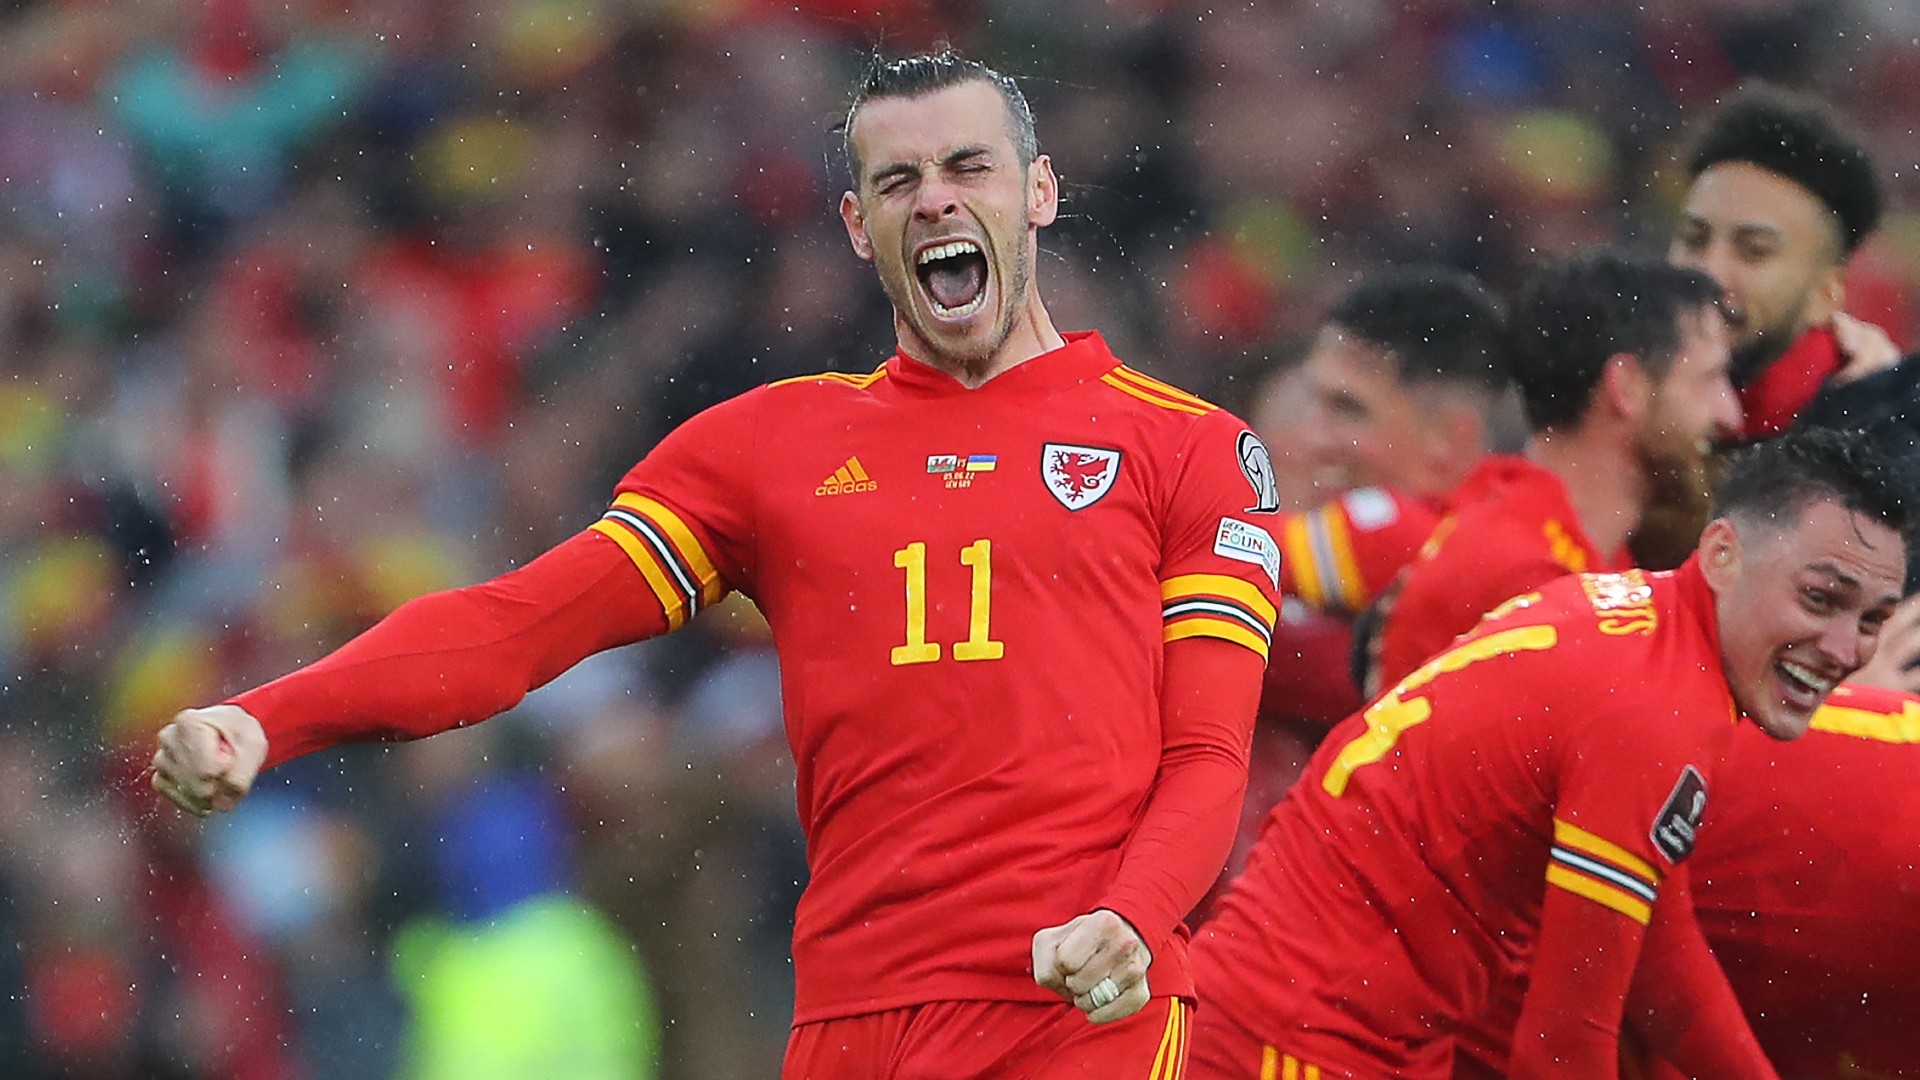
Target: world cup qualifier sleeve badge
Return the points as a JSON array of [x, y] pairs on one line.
[[1078, 476], [1257, 465]]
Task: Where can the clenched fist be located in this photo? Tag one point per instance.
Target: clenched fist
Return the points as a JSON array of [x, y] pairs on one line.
[[208, 758], [1075, 958]]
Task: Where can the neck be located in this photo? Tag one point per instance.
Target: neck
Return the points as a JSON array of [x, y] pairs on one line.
[[1030, 334], [1603, 480]]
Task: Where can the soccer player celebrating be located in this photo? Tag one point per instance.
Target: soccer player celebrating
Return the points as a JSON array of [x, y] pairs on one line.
[[1780, 198], [1499, 833], [1622, 367], [1022, 595], [1406, 386]]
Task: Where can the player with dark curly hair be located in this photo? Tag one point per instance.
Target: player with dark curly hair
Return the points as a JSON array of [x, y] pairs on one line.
[[1781, 195]]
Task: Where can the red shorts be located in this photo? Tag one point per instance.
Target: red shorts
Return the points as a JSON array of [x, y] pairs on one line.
[[1223, 1050], [992, 1040]]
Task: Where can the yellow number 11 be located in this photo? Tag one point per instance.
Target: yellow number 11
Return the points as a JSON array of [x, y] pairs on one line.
[[979, 644]]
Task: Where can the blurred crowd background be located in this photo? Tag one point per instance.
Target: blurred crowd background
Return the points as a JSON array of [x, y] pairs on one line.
[[310, 306]]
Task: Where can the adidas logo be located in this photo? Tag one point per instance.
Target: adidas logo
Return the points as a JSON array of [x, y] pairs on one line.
[[846, 480]]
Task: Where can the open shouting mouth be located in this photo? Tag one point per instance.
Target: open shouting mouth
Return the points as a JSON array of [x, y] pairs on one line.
[[953, 276]]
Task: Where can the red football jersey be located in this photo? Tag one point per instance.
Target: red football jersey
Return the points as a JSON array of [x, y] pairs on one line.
[[1510, 529], [969, 591], [1339, 555], [1397, 891], [1809, 889]]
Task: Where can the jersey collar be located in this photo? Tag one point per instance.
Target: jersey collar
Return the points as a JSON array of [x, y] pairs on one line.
[[1696, 602], [1084, 357]]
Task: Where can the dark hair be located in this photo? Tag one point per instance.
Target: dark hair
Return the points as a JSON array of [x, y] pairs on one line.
[[914, 76], [1576, 312], [1438, 325], [1775, 480], [1797, 137]]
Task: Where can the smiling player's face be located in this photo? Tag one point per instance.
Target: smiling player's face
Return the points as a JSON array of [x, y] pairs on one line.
[[1774, 249], [947, 215], [1800, 607]]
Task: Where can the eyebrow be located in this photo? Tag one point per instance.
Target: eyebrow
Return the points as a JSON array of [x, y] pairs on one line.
[[1847, 581], [1751, 227], [1838, 575], [1701, 222], [910, 168]]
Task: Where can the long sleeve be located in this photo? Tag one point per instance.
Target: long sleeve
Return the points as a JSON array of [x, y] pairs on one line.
[[1681, 1002], [457, 657], [1570, 1024], [1187, 828]]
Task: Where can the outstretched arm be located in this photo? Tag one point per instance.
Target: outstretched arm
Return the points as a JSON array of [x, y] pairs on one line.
[[441, 661]]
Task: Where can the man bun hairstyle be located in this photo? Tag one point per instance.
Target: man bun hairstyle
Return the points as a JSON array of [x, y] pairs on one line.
[[1437, 324], [1799, 138], [916, 76], [1773, 482], [1576, 312]]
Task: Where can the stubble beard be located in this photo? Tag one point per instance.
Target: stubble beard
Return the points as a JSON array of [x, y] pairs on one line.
[[1677, 478], [1770, 343], [1679, 485]]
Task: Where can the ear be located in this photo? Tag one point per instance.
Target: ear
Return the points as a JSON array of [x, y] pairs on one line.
[[1625, 386], [856, 224], [1458, 433], [1043, 193], [1828, 296], [1720, 554]]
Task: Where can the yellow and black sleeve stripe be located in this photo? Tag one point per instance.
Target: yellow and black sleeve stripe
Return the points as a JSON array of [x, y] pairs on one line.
[[1215, 605], [1603, 872], [667, 554], [1319, 547]]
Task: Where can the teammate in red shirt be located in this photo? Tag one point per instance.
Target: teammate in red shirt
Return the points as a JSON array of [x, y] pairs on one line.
[[1506, 823], [1022, 596], [1805, 887], [1780, 197], [1405, 388], [1622, 364]]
